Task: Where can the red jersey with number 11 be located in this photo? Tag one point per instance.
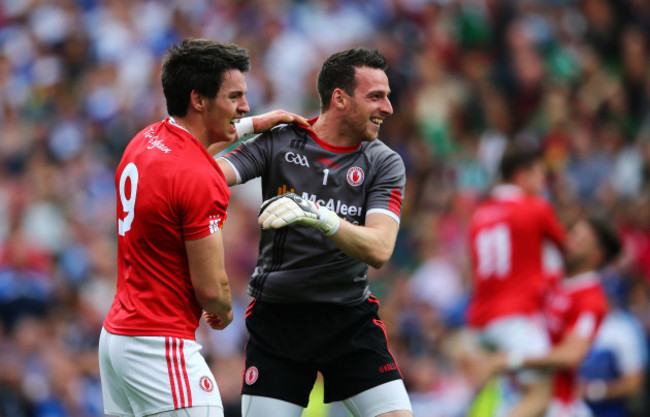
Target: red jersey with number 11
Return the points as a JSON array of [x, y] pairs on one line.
[[169, 190], [507, 234]]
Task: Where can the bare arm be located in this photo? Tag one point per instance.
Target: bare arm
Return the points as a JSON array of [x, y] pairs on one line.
[[258, 124], [568, 354], [208, 274], [372, 243], [228, 171]]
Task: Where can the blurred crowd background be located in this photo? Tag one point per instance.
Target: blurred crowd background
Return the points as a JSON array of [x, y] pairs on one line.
[[79, 77]]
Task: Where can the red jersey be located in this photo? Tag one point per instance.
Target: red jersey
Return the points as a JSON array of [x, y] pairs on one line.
[[507, 234], [169, 190], [576, 306]]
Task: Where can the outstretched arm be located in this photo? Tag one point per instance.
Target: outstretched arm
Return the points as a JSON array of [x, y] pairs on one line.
[[258, 124]]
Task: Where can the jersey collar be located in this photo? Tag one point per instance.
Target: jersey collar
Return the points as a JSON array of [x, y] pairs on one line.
[[581, 281], [507, 192], [173, 122], [325, 145]]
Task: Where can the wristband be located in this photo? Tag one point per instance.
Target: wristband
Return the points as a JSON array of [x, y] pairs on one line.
[[328, 222], [245, 127], [515, 360]]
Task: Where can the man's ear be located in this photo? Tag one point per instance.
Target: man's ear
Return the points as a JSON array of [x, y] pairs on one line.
[[339, 99], [197, 101]]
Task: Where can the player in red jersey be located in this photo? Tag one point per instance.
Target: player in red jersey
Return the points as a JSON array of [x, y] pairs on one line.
[[171, 206], [574, 311], [507, 234]]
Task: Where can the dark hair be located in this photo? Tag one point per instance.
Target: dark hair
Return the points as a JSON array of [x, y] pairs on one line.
[[338, 71], [607, 238], [198, 64], [518, 156]]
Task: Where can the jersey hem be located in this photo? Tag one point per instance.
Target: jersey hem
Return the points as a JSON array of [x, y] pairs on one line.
[[386, 212], [237, 174], [144, 333], [159, 410], [280, 300]]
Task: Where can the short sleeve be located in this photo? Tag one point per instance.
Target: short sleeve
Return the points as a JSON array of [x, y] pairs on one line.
[[201, 200], [387, 190], [588, 315], [585, 325], [251, 158]]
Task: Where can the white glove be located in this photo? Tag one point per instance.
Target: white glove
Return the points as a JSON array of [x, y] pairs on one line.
[[288, 208]]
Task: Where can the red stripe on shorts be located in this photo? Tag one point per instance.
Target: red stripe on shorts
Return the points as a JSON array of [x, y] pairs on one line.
[[382, 326], [187, 379], [169, 370], [177, 369]]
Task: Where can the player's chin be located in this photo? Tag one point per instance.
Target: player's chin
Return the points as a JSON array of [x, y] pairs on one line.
[[371, 135], [372, 132], [229, 136]]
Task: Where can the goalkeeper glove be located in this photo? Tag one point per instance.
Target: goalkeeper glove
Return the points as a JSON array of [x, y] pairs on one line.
[[289, 208]]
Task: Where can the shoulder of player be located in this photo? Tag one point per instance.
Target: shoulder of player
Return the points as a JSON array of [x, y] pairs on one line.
[[285, 130], [188, 155], [377, 150], [278, 135], [589, 296], [536, 202], [166, 138]]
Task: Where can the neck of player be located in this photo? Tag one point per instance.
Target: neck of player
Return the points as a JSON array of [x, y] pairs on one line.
[[195, 127], [329, 129]]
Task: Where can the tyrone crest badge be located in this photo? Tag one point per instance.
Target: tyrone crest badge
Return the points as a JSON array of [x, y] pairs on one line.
[[355, 176], [251, 375], [206, 384]]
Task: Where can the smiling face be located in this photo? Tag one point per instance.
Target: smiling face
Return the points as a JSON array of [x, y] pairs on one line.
[[226, 108], [369, 105]]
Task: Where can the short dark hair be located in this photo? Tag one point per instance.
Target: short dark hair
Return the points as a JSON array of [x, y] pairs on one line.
[[607, 237], [198, 64], [339, 69], [518, 156]]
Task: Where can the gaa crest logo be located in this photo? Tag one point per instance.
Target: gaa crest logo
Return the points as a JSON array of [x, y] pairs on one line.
[[355, 176], [206, 384], [251, 375]]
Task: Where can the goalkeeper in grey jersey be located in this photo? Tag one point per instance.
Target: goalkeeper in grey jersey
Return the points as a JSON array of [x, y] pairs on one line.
[[312, 309]]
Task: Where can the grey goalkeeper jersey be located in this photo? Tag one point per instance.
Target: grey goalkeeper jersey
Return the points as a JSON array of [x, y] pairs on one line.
[[298, 263]]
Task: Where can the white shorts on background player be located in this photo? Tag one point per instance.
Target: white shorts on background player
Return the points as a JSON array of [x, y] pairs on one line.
[[518, 334], [577, 408], [144, 375]]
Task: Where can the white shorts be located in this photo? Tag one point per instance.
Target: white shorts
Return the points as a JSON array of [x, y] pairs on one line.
[[577, 408], [382, 399], [519, 334], [143, 375]]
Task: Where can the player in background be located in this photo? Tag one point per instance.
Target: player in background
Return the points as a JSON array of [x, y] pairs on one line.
[[312, 309], [507, 235], [574, 312], [171, 206], [612, 376]]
